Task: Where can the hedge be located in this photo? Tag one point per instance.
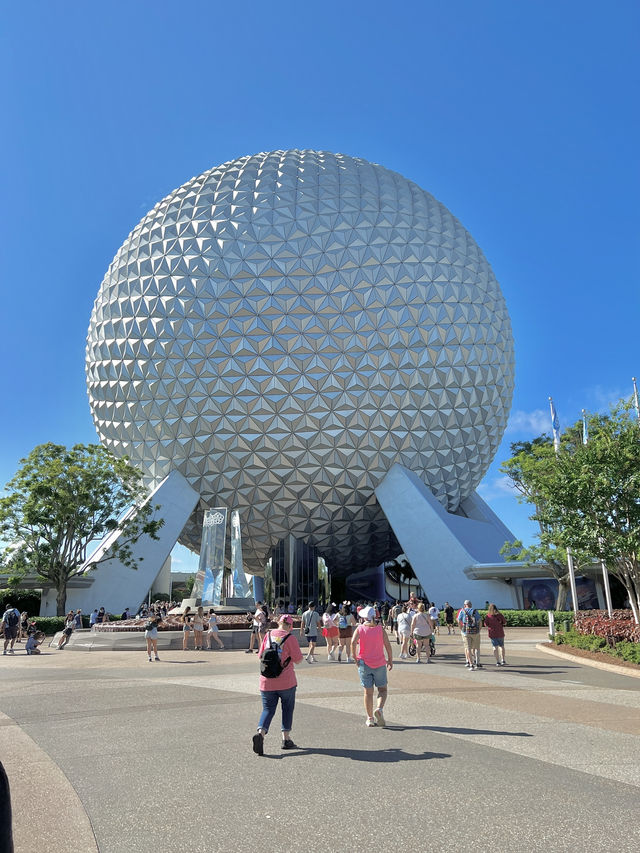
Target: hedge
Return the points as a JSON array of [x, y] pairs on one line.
[[528, 618], [52, 624], [23, 599], [623, 650]]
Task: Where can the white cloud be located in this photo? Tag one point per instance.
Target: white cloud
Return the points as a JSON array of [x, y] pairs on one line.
[[531, 423], [604, 397], [499, 487]]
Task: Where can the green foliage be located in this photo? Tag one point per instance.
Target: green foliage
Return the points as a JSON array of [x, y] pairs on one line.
[[528, 618], [533, 618], [51, 624], [627, 651], [22, 599], [590, 642], [63, 500], [585, 497], [624, 650]]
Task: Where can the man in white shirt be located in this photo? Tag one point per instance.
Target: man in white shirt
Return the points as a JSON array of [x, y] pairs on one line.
[[434, 615]]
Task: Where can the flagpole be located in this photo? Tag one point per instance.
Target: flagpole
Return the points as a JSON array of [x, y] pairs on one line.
[[605, 573], [635, 397], [555, 424], [607, 590]]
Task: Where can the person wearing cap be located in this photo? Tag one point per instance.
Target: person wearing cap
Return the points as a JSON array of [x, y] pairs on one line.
[[469, 621], [369, 647], [282, 688]]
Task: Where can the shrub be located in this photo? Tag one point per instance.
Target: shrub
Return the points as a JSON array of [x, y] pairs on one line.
[[620, 627], [528, 618], [623, 650], [50, 624]]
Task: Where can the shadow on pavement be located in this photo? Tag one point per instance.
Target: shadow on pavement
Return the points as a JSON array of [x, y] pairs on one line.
[[384, 756], [455, 730]]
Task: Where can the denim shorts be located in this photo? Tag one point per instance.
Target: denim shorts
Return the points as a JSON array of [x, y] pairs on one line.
[[372, 677], [497, 641]]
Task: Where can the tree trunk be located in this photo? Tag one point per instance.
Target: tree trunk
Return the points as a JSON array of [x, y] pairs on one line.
[[563, 588], [61, 599]]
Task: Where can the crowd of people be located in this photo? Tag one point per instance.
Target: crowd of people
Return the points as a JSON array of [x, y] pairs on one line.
[[359, 633], [415, 625]]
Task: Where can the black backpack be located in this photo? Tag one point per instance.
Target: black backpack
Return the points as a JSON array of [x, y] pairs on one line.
[[12, 619], [271, 665]]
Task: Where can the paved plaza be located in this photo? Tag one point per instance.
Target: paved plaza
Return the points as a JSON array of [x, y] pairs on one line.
[[106, 751]]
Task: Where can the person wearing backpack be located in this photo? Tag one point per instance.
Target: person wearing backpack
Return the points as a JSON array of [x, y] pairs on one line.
[[11, 626], [279, 652], [469, 621]]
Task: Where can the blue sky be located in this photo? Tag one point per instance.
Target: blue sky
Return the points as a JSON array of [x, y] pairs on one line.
[[520, 117]]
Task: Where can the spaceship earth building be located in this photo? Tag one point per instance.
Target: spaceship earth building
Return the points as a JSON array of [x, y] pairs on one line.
[[282, 329]]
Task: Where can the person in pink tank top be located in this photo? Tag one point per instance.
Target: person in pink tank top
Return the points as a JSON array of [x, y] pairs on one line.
[[371, 650]]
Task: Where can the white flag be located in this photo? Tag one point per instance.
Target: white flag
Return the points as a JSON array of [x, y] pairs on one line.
[[555, 424]]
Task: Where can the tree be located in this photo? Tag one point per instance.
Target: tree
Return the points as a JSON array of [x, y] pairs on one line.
[[530, 463], [60, 502], [587, 496]]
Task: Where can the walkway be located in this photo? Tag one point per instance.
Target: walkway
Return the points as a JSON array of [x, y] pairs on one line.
[[108, 752]]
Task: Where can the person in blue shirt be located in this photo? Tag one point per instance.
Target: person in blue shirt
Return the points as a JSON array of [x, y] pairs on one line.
[[470, 621]]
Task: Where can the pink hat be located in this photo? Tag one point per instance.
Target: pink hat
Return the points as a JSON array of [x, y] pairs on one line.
[[285, 617]]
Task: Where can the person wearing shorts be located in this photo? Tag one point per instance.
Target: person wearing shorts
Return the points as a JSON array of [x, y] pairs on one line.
[[187, 627], [213, 632], [331, 632], [448, 618], [11, 625], [346, 624], [421, 628], [259, 620], [309, 628], [369, 647], [404, 631], [494, 622], [469, 622]]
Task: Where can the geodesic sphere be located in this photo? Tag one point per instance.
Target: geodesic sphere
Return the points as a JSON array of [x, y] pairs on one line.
[[285, 327]]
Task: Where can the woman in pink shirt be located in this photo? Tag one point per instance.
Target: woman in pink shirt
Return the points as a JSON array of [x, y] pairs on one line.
[[282, 688], [369, 647]]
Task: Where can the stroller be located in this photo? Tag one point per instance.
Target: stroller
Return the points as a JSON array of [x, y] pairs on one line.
[[432, 646]]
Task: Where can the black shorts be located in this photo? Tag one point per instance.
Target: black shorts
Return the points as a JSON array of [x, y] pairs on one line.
[[10, 632]]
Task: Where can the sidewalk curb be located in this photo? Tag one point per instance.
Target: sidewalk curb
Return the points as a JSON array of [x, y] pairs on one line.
[[41, 822], [609, 667]]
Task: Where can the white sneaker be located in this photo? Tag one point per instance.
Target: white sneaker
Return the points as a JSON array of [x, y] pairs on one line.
[[379, 717], [349, 660], [371, 723], [313, 659]]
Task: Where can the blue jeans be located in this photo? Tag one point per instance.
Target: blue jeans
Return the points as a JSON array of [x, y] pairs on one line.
[[270, 703]]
